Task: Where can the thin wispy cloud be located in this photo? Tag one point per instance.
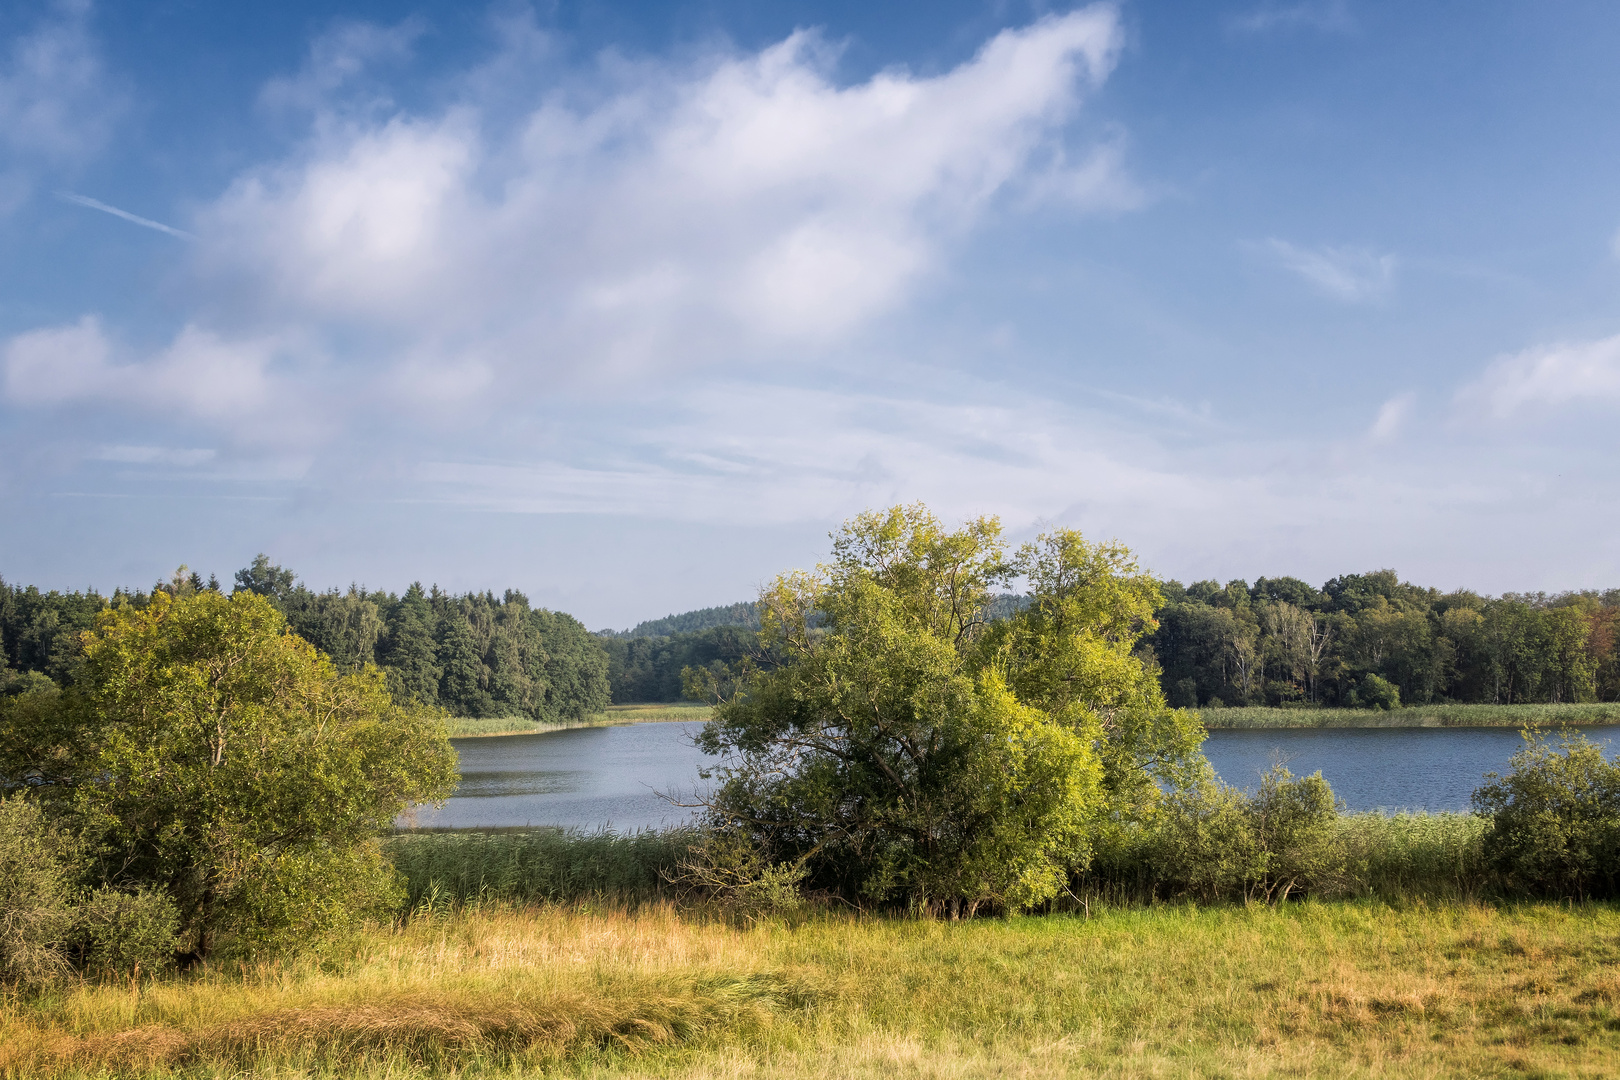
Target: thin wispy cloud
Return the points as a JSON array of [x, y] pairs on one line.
[[1351, 275], [1332, 16], [97, 204], [1548, 378], [57, 103], [1391, 418]]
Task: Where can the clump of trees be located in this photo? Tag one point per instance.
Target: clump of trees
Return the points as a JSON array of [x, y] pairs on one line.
[[207, 782], [1373, 641], [897, 745], [474, 655]]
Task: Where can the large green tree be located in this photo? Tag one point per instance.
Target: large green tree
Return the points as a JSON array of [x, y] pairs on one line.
[[901, 745], [207, 750]]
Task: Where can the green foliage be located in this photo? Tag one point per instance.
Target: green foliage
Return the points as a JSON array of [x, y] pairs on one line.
[[1555, 819], [1375, 692], [1212, 842], [528, 866], [1406, 856], [1513, 716], [1280, 643], [725, 868], [226, 762], [40, 865], [117, 933], [904, 747], [649, 669], [744, 615]]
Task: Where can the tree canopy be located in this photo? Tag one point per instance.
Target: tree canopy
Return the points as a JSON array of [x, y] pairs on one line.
[[205, 749], [902, 745]]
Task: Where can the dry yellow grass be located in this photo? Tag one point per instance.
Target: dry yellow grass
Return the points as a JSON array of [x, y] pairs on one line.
[[1350, 989]]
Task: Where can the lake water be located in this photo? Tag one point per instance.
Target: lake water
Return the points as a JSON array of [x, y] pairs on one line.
[[593, 778]]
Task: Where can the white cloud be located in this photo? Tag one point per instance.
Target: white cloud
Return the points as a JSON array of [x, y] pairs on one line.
[[57, 106], [1548, 377], [1391, 417], [338, 59], [1352, 275], [1332, 16], [200, 373], [660, 218]]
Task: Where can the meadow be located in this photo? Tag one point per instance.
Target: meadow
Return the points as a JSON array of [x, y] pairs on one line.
[[1341, 989]]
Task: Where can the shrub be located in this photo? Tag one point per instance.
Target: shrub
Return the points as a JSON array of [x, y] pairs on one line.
[[126, 933], [1214, 842], [39, 869], [1203, 844], [1555, 820], [727, 869], [1376, 692]]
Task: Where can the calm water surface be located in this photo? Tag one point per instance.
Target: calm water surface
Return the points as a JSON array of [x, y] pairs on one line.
[[611, 777]]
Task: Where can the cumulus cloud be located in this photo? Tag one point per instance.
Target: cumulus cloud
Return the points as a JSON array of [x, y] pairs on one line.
[[1351, 275], [57, 105], [1391, 417], [1549, 377], [199, 373], [661, 218]]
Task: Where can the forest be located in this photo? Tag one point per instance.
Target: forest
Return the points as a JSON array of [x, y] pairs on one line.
[[1372, 640], [475, 655], [1361, 640]]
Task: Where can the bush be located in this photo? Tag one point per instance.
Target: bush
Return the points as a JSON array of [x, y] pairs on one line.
[[1214, 842], [39, 869], [1555, 820], [127, 933], [1376, 692], [727, 869]]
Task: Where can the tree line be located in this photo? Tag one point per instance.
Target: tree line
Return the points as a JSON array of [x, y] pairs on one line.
[[475, 654], [1372, 640]]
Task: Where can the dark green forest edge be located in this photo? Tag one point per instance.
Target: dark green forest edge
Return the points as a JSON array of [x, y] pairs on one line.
[[1347, 654]]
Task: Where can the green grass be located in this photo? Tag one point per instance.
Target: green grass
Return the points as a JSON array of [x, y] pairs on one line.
[[1350, 989], [520, 866], [1512, 716], [462, 727]]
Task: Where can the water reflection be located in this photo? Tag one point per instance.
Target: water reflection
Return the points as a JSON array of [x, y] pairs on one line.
[[588, 778], [613, 777]]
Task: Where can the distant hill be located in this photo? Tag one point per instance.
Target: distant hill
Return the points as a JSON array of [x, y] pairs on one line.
[[687, 622]]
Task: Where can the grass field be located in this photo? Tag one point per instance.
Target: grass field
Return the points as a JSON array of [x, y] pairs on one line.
[[1334, 990], [462, 727], [1514, 716]]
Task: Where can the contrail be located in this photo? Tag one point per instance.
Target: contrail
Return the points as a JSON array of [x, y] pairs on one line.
[[97, 204]]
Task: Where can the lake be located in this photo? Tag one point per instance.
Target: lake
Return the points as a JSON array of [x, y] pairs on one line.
[[612, 777]]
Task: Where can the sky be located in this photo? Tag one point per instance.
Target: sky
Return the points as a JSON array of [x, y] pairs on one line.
[[628, 305]]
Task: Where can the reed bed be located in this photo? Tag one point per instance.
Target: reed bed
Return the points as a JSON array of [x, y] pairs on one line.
[[1345, 989], [524, 866], [1512, 716], [463, 727]]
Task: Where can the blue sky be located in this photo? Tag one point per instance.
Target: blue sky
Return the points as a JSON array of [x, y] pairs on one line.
[[627, 305]]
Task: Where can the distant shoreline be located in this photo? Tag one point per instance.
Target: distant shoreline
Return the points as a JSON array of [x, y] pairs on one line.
[[615, 715], [1419, 716]]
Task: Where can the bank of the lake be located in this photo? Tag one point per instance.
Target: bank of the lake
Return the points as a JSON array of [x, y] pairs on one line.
[[1417, 716], [468, 727]]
